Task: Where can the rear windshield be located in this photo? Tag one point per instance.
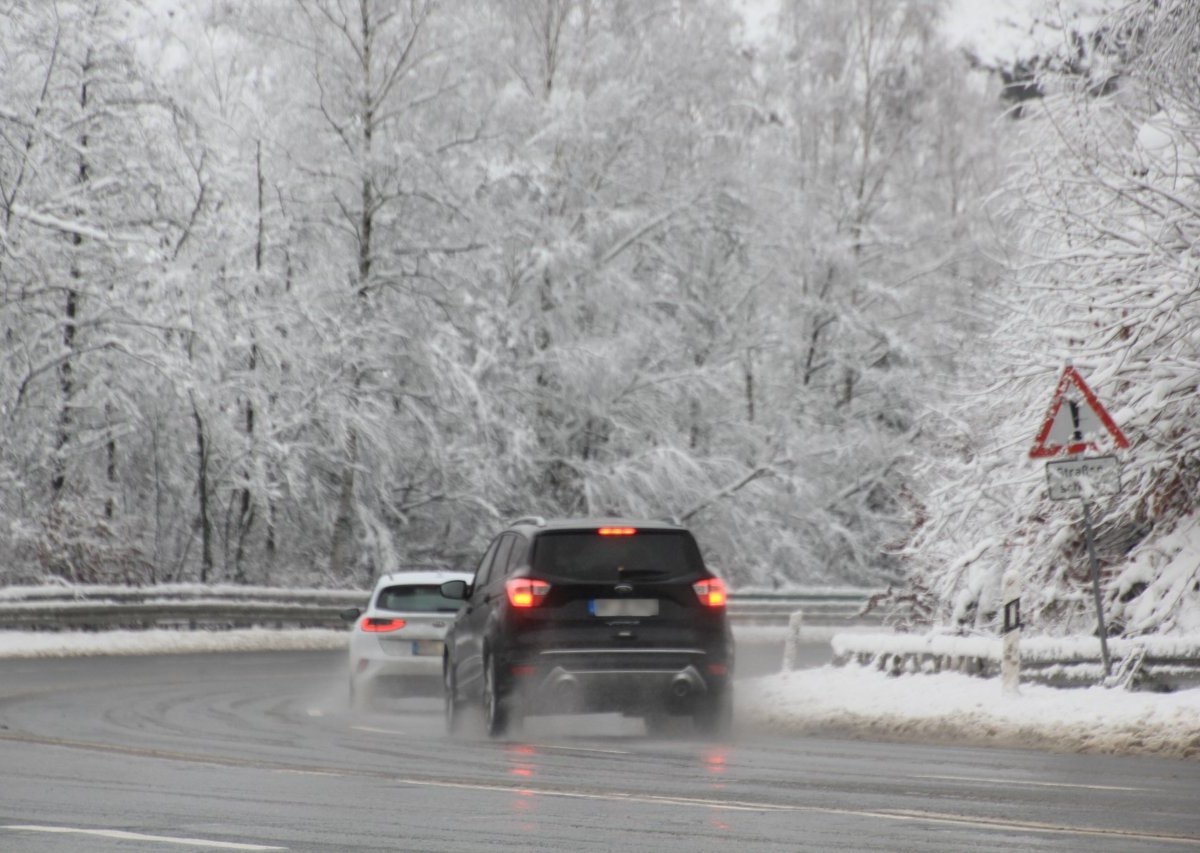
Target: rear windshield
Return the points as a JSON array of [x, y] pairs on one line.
[[415, 599], [644, 555]]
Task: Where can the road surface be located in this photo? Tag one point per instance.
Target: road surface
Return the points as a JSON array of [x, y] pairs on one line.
[[260, 752]]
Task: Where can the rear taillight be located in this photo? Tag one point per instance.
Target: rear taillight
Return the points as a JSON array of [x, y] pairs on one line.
[[381, 626], [523, 592], [711, 592]]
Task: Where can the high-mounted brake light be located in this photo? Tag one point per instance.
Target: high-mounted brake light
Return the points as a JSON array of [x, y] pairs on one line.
[[523, 592], [381, 626], [711, 592], [617, 531]]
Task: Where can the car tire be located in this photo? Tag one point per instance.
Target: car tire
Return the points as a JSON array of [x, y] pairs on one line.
[[453, 708], [713, 717], [495, 708]]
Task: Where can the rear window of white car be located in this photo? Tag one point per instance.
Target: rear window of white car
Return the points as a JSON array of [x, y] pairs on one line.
[[415, 599]]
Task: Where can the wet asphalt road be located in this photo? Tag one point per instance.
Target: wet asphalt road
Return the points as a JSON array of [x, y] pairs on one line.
[[259, 751]]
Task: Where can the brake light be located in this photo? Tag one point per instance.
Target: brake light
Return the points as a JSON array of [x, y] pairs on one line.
[[711, 592], [523, 592], [381, 626], [617, 531]]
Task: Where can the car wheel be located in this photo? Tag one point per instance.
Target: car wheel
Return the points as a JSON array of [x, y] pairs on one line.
[[714, 715], [495, 711], [453, 709]]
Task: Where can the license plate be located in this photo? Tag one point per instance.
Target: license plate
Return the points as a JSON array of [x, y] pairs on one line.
[[427, 647], [623, 606]]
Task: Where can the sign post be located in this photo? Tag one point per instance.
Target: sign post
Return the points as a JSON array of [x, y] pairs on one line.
[[1091, 549], [1070, 429]]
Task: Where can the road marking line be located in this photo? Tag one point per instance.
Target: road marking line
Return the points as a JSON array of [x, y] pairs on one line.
[[1035, 826], [377, 731], [137, 836], [1031, 784], [740, 805], [580, 749]]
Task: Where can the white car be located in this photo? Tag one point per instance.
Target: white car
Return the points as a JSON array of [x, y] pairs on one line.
[[396, 644]]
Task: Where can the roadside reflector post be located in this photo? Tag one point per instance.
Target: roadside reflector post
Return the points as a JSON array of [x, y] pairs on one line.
[[791, 651], [1010, 663]]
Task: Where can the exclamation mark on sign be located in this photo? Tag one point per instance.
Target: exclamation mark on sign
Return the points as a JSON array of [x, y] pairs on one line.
[[1078, 434]]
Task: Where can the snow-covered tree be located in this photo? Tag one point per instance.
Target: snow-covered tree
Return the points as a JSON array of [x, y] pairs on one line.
[[1106, 205], [96, 192]]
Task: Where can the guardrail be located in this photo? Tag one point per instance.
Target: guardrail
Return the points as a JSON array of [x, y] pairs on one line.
[[230, 606], [824, 608], [1139, 663]]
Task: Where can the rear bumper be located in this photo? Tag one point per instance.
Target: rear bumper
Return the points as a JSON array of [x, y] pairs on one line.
[[395, 661], [567, 681], [415, 676]]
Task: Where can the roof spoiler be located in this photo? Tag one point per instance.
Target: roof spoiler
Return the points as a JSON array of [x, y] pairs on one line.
[[535, 520]]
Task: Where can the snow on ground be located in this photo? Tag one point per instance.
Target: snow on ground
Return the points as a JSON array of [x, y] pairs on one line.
[[844, 701], [951, 708]]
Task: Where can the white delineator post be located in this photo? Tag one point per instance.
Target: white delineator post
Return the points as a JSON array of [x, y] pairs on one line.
[[791, 650], [1010, 663]]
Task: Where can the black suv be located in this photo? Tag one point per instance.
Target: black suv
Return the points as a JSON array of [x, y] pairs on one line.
[[590, 615]]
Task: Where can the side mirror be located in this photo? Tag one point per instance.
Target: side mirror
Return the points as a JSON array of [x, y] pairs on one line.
[[455, 590], [351, 613]]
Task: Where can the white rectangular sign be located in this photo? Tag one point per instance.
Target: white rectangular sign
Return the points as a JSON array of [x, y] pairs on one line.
[[1083, 478]]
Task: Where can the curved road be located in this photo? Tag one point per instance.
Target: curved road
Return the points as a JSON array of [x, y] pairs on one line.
[[259, 751]]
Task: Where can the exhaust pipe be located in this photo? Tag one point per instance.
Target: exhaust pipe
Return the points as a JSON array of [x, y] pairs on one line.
[[564, 692], [681, 687]]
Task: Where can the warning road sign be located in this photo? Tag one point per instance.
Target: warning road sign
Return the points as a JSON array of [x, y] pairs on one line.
[[1074, 421]]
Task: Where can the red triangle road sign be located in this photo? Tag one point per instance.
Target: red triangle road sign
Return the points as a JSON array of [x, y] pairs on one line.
[[1072, 428]]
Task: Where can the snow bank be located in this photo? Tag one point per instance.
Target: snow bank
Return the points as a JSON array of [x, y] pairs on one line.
[[24, 644], [1056, 649], [952, 708]]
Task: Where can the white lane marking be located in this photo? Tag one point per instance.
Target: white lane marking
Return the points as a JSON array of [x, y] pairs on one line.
[[377, 731], [1030, 783], [906, 816], [580, 749], [297, 771], [137, 836], [1034, 826]]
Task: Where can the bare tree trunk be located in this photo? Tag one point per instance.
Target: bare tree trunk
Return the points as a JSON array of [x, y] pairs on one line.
[[748, 370], [205, 521], [110, 500], [66, 384], [246, 507], [341, 552], [66, 378]]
